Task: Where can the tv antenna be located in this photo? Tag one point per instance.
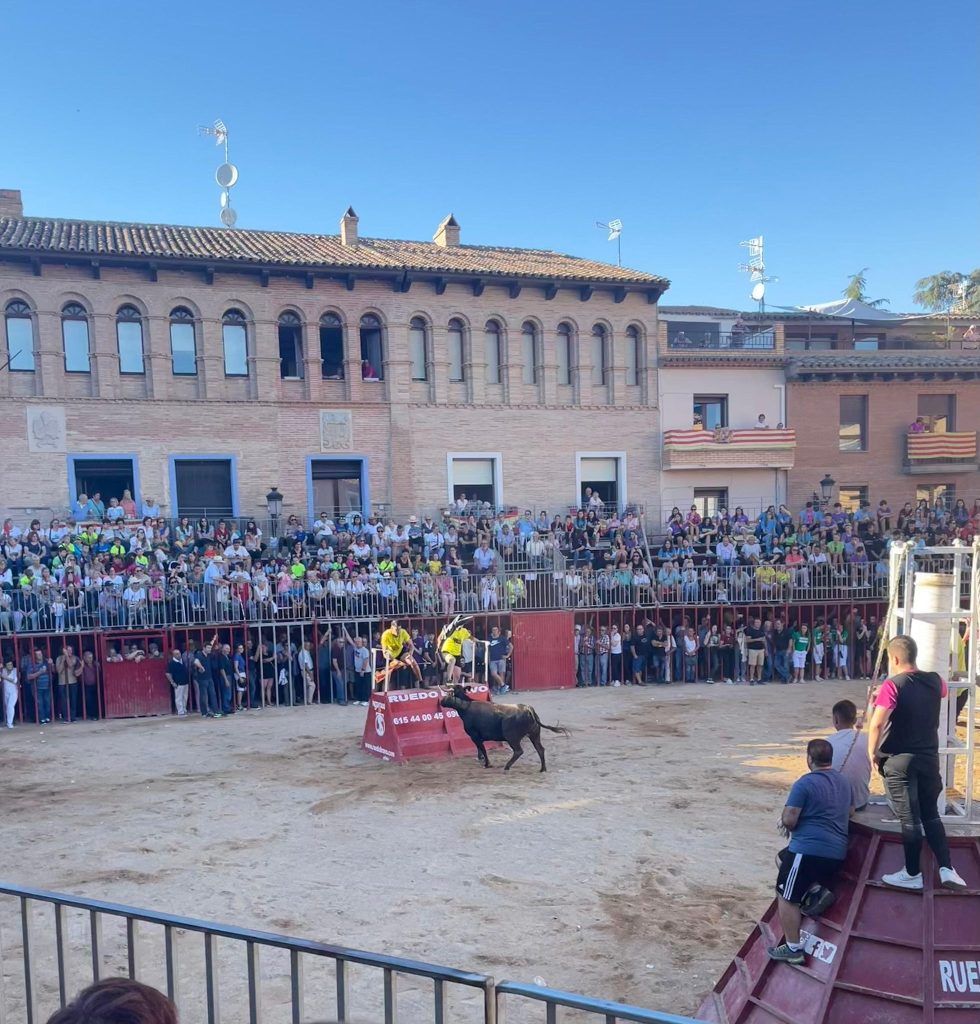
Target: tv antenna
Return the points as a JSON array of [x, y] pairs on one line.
[[226, 175], [756, 269], [615, 229]]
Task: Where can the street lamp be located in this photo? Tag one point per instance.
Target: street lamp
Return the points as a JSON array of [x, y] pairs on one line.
[[827, 488], [273, 502]]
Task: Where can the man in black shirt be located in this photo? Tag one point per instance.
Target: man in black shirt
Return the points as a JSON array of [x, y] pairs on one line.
[[904, 740], [642, 653], [755, 651], [207, 697], [781, 640], [658, 654], [177, 677]]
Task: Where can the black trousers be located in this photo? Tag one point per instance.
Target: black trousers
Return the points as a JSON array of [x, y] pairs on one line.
[[914, 784]]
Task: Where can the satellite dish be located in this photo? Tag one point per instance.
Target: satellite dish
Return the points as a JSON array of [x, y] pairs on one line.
[[226, 175], [225, 199], [758, 290], [228, 217]]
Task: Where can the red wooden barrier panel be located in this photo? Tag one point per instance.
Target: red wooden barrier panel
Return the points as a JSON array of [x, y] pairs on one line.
[[544, 650], [134, 688]]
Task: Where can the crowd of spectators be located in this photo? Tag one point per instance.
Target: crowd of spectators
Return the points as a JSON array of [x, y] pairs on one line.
[[111, 567], [736, 649]]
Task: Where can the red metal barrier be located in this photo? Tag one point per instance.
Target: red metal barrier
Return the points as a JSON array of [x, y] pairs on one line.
[[134, 666], [410, 723], [544, 652], [878, 955]]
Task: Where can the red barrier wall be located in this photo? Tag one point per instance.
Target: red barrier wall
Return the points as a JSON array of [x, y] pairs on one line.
[[544, 650], [403, 724]]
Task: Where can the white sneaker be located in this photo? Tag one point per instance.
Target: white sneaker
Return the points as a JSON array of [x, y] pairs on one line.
[[903, 880], [949, 879], [616, 683], [728, 682]]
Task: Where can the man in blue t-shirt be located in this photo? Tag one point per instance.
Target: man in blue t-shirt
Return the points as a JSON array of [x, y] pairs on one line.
[[816, 816]]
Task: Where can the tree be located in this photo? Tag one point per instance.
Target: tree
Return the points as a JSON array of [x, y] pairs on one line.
[[856, 289], [949, 291]]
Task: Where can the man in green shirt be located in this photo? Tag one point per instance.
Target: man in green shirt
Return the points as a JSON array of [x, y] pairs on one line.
[[800, 639]]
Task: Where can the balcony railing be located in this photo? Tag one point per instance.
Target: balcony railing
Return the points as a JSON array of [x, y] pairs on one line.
[[954, 452], [723, 447], [764, 340]]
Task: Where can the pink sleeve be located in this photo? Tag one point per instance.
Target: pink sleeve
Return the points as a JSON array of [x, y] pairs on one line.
[[888, 696], [943, 688]]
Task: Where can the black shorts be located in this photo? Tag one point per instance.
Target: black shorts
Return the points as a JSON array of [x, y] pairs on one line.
[[799, 871]]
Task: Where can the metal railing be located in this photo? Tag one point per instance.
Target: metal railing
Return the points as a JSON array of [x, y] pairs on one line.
[[165, 603], [228, 977], [720, 342]]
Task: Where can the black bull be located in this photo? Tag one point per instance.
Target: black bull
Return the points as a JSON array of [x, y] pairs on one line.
[[507, 723]]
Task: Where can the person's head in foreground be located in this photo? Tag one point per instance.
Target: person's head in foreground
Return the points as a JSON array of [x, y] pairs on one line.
[[118, 1001]]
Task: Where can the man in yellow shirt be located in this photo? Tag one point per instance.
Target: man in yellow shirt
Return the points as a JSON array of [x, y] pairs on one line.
[[452, 638], [398, 651]]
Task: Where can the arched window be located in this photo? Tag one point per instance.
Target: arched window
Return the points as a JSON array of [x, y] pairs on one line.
[[234, 337], [183, 343], [454, 339], [290, 346], [529, 352], [331, 347], [372, 348], [418, 345], [633, 360], [20, 336], [600, 354], [491, 344], [74, 334], [564, 354], [129, 339]]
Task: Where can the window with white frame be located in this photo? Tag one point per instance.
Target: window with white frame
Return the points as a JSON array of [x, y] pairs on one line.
[[20, 336], [129, 339], [75, 334], [234, 335]]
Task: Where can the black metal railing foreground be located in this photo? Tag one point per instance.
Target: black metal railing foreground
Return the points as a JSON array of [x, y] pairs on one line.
[[232, 972]]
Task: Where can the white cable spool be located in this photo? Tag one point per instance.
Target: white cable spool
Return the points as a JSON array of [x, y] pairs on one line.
[[931, 628]]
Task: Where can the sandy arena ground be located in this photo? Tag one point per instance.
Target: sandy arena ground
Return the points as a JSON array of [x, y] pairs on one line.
[[632, 870]]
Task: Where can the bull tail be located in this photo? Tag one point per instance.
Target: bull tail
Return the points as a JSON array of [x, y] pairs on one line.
[[560, 729]]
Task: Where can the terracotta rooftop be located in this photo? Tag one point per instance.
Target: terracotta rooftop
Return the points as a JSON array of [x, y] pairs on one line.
[[942, 361], [35, 236]]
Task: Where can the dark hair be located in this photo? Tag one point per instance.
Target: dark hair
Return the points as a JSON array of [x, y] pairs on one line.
[[820, 752], [118, 1001], [904, 648], [845, 712]]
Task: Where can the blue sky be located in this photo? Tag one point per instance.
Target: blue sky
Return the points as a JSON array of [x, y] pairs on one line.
[[845, 132]]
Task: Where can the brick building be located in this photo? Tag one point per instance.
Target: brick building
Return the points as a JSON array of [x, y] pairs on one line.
[[852, 412], [201, 366]]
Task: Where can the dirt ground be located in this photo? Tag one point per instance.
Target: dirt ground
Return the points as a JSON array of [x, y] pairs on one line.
[[632, 870]]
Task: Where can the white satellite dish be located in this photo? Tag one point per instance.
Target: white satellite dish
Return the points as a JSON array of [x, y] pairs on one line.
[[226, 175], [228, 217], [225, 199], [759, 291]]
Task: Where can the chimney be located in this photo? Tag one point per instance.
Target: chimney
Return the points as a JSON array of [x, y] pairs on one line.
[[11, 205], [348, 227], [447, 234]]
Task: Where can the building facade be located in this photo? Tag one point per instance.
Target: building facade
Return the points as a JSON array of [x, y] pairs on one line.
[[200, 367]]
